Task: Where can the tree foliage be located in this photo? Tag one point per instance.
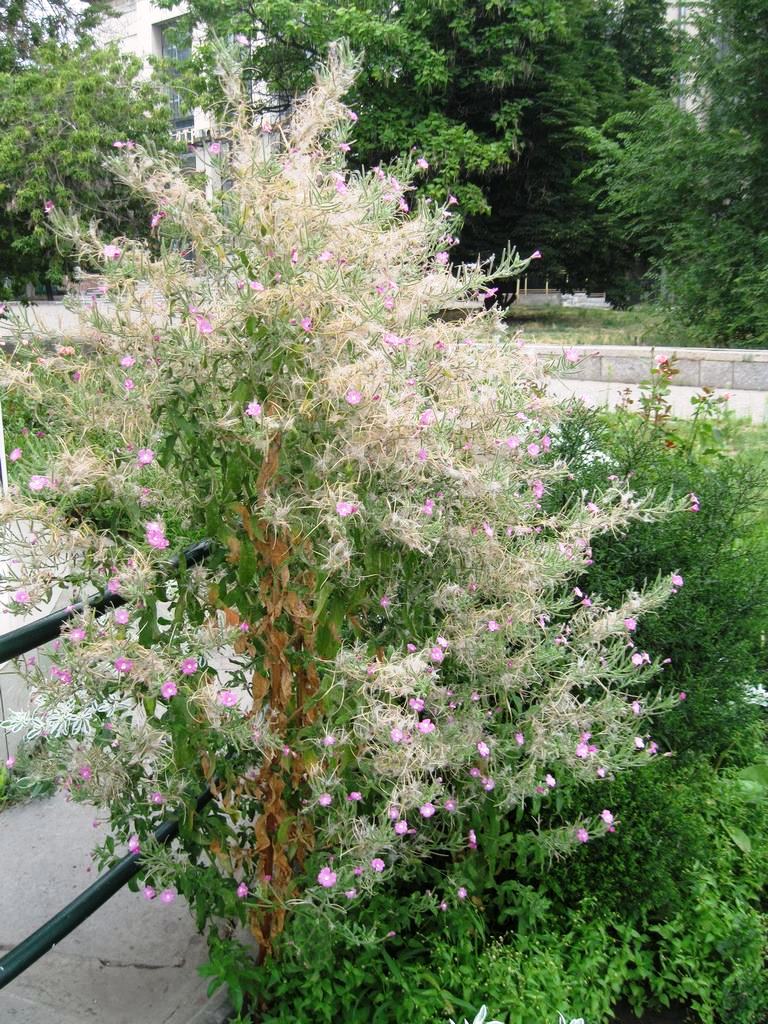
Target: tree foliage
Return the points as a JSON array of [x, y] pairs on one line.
[[59, 119], [27, 24], [686, 178], [495, 97]]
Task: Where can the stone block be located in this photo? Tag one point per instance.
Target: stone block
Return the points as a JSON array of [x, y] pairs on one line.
[[716, 374], [589, 368], [626, 369], [687, 373], [750, 376]]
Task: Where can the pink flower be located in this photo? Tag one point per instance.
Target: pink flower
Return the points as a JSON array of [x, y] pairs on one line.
[[513, 441], [345, 508], [156, 217], [442, 258], [256, 286], [630, 624], [148, 892], [426, 726], [428, 507], [427, 810], [607, 817], [123, 664], [533, 450], [155, 533], [145, 457], [519, 739], [483, 749], [355, 796], [437, 654], [122, 617], [242, 891], [636, 707], [451, 201], [15, 455], [167, 895], [397, 735], [156, 798], [422, 163], [10, 762], [352, 116], [427, 418], [682, 695], [133, 845], [493, 626], [253, 409], [571, 355], [189, 666], [22, 597], [326, 877], [204, 325], [384, 601], [227, 698], [489, 785], [215, 148], [677, 580], [344, 147], [39, 483], [86, 772], [538, 489], [639, 742], [325, 799], [450, 806], [550, 780], [582, 835], [353, 397], [129, 384], [695, 503], [401, 827], [416, 703], [169, 689], [306, 323], [49, 206], [378, 865], [328, 741], [112, 252], [350, 893], [77, 634], [461, 892], [535, 255]]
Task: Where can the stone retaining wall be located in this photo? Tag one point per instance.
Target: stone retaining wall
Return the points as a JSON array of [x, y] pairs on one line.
[[602, 376], [731, 368]]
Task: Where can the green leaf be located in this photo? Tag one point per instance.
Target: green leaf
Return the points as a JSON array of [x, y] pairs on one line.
[[740, 838]]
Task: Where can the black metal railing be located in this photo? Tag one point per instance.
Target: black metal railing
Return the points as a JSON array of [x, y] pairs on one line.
[[21, 641]]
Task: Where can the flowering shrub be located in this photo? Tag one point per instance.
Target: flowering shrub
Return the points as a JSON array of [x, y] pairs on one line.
[[380, 644]]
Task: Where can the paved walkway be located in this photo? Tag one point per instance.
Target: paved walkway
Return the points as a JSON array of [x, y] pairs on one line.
[[131, 962]]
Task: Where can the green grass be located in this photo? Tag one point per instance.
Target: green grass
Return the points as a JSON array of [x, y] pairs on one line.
[[560, 325]]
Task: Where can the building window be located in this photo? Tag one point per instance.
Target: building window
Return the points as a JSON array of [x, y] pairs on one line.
[[176, 45]]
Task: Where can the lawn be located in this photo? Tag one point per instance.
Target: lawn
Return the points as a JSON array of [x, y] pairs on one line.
[[561, 325]]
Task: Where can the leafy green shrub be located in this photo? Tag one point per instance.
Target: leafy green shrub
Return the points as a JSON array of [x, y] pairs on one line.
[[377, 663]]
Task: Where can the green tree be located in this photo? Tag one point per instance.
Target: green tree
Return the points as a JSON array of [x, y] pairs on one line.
[[59, 119], [686, 178], [26, 24], [495, 97]]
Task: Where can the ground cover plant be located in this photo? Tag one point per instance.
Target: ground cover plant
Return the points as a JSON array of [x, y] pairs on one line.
[[383, 670]]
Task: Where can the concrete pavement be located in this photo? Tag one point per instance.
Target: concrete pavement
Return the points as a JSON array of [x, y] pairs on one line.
[[132, 962]]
